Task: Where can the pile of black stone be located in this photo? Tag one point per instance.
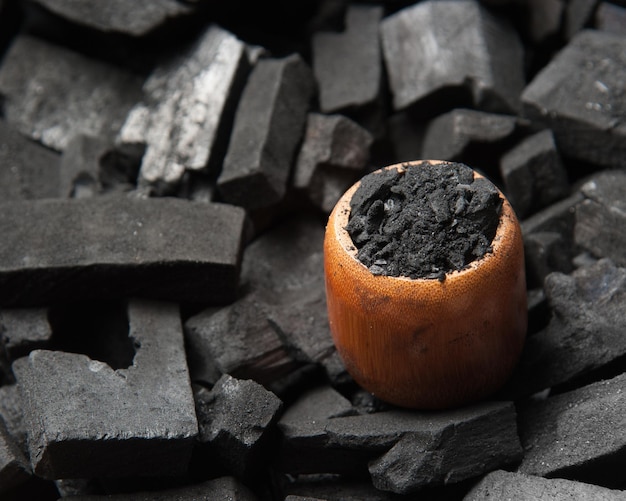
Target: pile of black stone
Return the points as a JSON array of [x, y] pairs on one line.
[[166, 170]]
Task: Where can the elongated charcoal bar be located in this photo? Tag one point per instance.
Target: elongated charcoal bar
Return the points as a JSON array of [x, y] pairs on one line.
[[61, 250]]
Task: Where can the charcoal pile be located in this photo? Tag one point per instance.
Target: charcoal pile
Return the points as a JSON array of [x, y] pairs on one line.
[[166, 172]]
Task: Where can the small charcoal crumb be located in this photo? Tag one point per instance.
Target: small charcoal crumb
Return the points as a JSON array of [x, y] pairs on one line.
[[423, 222]]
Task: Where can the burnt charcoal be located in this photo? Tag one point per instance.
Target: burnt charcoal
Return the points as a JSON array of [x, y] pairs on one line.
[[268, 128], [546, 252], [406, 445], [585, 331], [533, 174], [577, 435], [348, 65], [52, 94], [87, 420], [543, 21], [450, 135], [236, 419], [219, 488], [117, 16], [11, 412], [334, 488], [578, 15], [23, 330], [187, 110], [322, 402], [405, 136], [601, 217], [580, 96], [106, 246], [473, 51], [333, 153], [502, 484], [14, 467], [27, 169], [611, 17]]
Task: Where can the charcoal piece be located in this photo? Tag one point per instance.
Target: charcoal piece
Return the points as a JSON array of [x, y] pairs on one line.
[[427, 444], [117, 16], [14, 467], [92, 166], [601, 218], [510, 485], [578, 15], [585, 331], [236, 419], [317, 404], [220, 488], [348, 65], [334, 150], [335, 488], [545, 252], [435, 48], [186, 113], [11, 413], [533, 174], [87, 420], [611, 17], [51, 93], [405, 136], [580, 96], [23, 330], [27, 169], [268, 127], [449, 136], [114, 245], [543, 21], [578, 434]]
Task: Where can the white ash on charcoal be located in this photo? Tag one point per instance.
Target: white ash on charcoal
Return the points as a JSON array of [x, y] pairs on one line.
[[51, 93], [580, 96], [103, 246], [475, 56], [86, 419], [29, 171], [578, 434], [334, 152], [269, 125]]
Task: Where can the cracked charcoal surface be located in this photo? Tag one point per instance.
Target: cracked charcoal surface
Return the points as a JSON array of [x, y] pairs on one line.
[[424, 222]]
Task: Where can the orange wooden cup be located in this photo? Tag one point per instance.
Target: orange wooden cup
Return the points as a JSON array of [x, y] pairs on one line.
[[425, 343]]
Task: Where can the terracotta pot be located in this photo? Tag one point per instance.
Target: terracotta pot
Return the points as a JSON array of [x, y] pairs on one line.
[[426, 343]]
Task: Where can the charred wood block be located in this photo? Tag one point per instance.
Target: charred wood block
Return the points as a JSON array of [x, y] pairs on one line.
[[533, 174], [509, 485], [601, 217], [611, 17], [268, 128], [51, 93], [11, 412], [236, 419], [59, 250], [348, 65], [577, 435], [473, 51], [317, 404], [334, 150], [23, 330], [543, 19], [14, 467], [578, 15], [579, 95], [185, 116], [87, 420], [585, 332], [117, 16], [546, 252]]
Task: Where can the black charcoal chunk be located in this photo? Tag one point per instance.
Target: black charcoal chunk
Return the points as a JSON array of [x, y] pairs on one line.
[[502, 484], [27, 169], [106, 246], [52, 94], [348, 65], [14, 467], [434, 47], [11, 412], [333, 153], [577, 435], [87, 420], [533, 174], [580, 96], [578, 15], [187, 109], [585, 332], [222, 488], [449, 136], [334, 488], [23, 330], [316, 404], [236, 419], [405, 450], [543, 19], [611, 17], [268, 128], [601, 217], [117, 16], [546, 252]]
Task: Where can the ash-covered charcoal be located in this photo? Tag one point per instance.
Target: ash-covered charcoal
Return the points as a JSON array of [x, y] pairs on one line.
[[423, 222]]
